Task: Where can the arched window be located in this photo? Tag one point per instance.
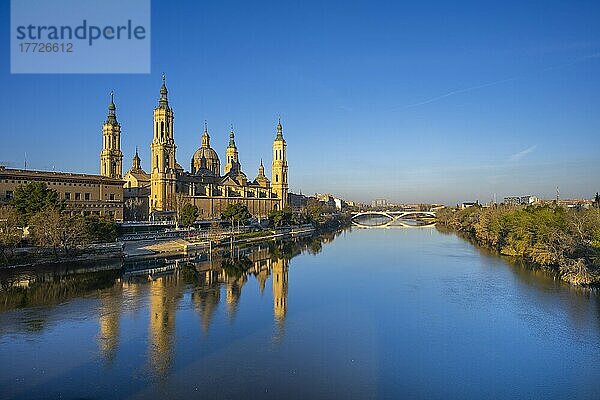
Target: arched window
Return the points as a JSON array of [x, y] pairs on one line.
[[276, 178]]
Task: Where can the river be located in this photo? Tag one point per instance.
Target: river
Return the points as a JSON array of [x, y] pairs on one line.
[[365, 313]]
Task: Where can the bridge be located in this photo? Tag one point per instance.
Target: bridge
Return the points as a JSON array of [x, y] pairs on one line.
[[395, 218]]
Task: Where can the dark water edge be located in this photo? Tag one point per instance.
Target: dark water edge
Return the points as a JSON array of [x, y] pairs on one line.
[[520, 262], [53, 283]]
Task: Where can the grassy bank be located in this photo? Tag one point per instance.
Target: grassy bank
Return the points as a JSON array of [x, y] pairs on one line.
[[565, 241]]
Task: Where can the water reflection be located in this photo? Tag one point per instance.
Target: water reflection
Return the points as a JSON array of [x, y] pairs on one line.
[[232, 319], [120, 288], [109, 320]]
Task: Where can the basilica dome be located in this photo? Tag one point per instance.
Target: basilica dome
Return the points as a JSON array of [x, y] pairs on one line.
[[205, 158]]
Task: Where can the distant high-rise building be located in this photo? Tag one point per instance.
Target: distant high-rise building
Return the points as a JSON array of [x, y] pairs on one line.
[[379, 203], [521, 200]]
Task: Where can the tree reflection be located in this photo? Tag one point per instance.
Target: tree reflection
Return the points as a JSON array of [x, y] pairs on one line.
[[163, 282]]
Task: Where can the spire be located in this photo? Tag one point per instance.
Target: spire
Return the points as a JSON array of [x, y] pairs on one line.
[[112, 116], [136, 165], [163, 101], [205, 136], [231, 138], [261, 169], [279, 130]]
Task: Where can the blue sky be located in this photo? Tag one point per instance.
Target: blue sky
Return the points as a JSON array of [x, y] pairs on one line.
[[422, 101]]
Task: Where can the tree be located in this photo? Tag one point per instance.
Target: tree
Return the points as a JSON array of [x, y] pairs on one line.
[[189, 213], [101, 229], [236, 212], [278, 218], [44, 228], [179, 202], [49, 228], [316, 209], [73, 232], [10, 233], [32, 198]]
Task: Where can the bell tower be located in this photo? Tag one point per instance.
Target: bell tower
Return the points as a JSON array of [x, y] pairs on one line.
[[111, 157], [279, 177], [231, 153], [163, 176]]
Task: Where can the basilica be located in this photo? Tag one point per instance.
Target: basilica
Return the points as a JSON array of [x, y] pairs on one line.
[[162, 192]]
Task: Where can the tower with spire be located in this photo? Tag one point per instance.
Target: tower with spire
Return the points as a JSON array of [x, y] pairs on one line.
[[136, 165], [279, 171], [231, 153], [261, 179], [111, 157], [163, 173]]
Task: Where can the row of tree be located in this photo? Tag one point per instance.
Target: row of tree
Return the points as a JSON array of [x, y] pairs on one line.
[[37, 210], [565, 240], [315, 212]]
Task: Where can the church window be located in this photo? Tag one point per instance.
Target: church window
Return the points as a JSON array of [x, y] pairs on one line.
[[276, 178]]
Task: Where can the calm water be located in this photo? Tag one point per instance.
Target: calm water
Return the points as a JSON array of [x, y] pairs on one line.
[[396, 313]]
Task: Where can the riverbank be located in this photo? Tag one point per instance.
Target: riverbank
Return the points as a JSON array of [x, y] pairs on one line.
[[206, 241], [31, 256], [563, 241], [181, 242], [166, 242]]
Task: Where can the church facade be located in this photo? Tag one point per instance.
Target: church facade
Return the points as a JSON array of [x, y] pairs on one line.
[[162, 192]]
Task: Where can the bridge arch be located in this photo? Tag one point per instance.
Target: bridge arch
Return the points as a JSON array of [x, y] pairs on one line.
[[394, 215]]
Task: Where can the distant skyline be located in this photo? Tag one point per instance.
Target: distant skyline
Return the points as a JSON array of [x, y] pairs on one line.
[[428, 102]]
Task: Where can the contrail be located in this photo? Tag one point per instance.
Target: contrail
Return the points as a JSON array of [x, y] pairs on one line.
[[521, 154], [431, 100], [498, 82]]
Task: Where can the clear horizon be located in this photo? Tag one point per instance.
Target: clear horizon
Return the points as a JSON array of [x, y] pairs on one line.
[[427, 102]]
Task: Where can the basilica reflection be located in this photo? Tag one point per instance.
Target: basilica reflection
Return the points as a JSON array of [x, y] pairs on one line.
[[215, 280], [155, 289]]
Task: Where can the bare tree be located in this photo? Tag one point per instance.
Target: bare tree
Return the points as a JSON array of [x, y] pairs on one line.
[[180, 200], [51, 229], [44, 229], [10, 232]]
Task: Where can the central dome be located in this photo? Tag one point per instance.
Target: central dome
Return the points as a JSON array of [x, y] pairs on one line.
[[205, 158]]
